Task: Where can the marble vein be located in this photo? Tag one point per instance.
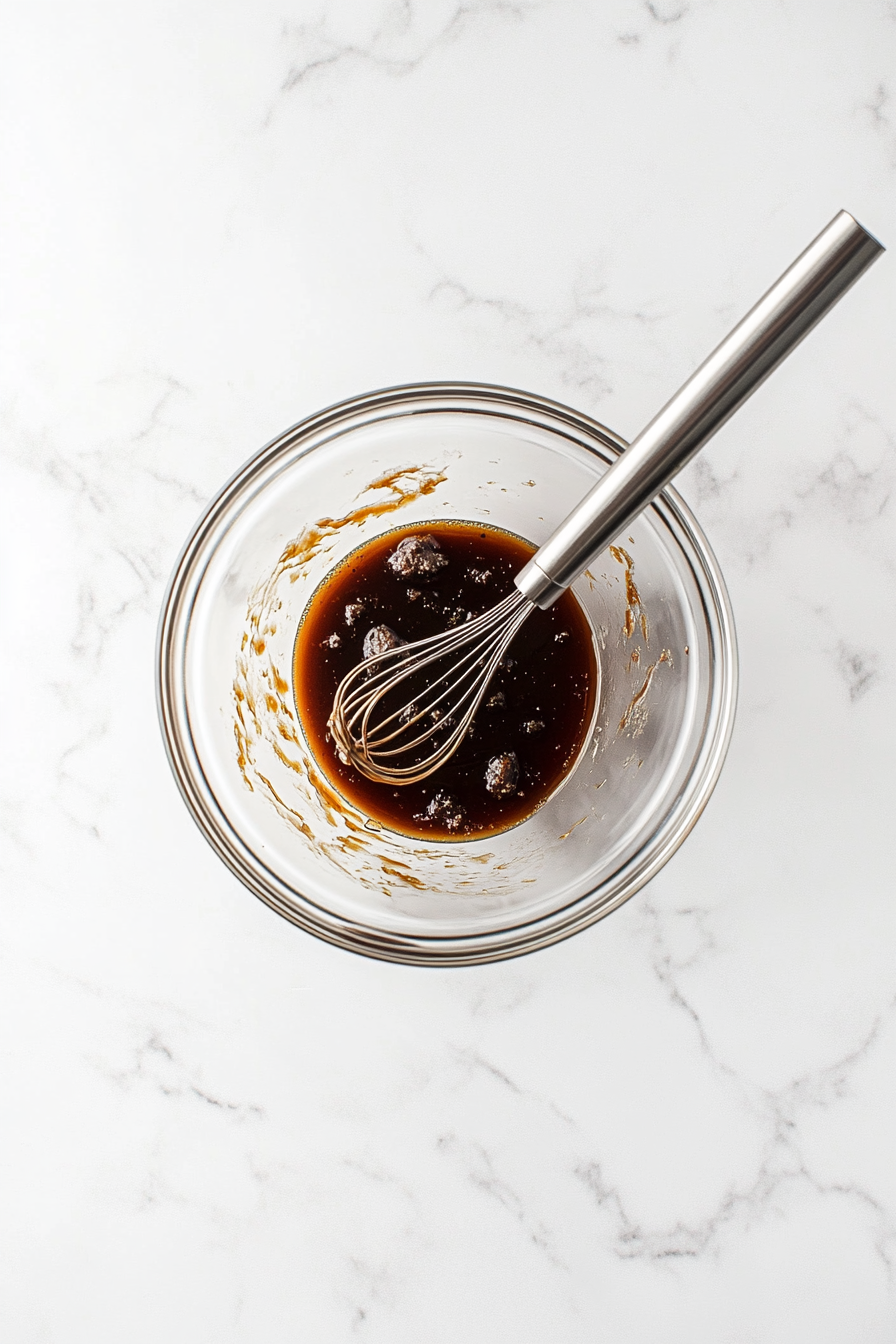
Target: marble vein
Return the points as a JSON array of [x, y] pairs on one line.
[[570, 338], [480, 1169], [155, 1064], [399, 43]]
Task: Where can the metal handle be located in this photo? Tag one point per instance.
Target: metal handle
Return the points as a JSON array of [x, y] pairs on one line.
[[722, 383]]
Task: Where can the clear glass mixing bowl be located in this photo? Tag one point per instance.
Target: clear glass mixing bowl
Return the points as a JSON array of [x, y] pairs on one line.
[[667, 652]]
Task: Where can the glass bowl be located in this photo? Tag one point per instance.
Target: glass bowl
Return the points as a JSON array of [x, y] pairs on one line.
[[666, 645]]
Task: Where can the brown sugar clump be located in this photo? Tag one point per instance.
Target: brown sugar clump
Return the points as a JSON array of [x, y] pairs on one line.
[[419, 557], [446, 810], [502, 774], [380, 640]]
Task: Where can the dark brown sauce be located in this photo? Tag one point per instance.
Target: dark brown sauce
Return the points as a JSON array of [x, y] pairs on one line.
[[538, 708]]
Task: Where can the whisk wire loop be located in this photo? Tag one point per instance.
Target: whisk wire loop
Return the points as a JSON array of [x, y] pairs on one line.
[[370, 734]]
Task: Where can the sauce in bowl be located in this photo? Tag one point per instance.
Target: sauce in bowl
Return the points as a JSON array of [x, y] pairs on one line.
[[530, 728]]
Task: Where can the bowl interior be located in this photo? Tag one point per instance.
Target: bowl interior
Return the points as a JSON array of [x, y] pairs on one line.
[[656, 604]]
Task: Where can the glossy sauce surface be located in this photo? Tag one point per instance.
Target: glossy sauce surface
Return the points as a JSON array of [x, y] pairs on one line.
[[528, 732]]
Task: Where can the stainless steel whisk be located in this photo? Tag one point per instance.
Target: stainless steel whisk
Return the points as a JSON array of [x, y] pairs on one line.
[[445, 677]]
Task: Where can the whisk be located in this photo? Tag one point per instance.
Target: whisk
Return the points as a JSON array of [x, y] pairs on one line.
[[401, 714]]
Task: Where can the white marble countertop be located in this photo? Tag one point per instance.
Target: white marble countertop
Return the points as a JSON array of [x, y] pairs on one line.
[[676, 1127]]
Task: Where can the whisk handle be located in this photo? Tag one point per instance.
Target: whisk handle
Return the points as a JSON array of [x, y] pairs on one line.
[[722, 383]]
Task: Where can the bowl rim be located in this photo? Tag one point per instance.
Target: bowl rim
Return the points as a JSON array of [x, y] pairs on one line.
[[518, 937]]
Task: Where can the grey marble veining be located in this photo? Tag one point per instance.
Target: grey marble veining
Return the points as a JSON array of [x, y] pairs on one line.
[[677, 1126]]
